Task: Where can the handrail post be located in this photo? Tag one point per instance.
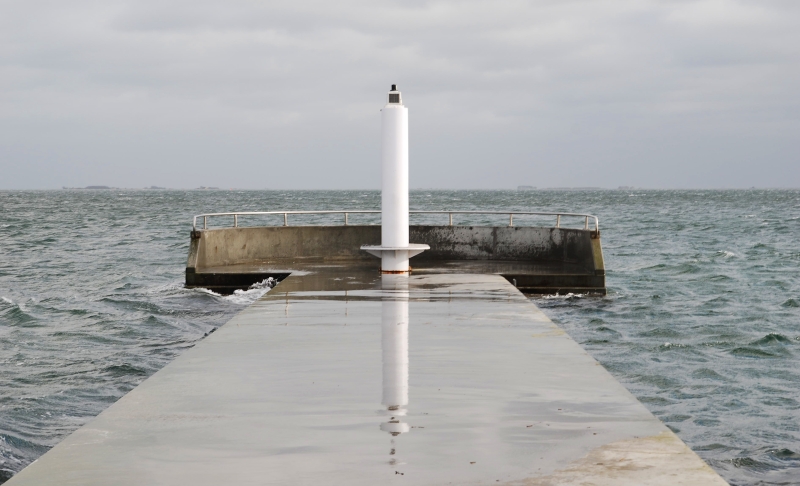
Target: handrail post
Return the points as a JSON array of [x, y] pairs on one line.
[[205, 222], [235, 220], [558, 220], [285, 219], [451, 219], [510, 220], [345, 219], [586, 223]]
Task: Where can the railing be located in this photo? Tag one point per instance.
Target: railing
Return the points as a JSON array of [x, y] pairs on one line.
[[346, 214]]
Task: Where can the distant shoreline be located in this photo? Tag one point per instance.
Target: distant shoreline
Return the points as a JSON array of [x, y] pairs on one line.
[[536, 189]]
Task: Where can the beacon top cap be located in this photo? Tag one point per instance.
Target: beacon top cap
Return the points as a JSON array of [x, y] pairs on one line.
[[394, 96]]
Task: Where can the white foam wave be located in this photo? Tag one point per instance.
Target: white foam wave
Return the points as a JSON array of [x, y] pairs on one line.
[[240, 297], [204, 291], [245, 297], [564, 297], [255, 292], [267, 283]]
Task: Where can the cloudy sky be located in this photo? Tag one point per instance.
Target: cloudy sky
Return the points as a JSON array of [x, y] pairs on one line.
[[286, 94]]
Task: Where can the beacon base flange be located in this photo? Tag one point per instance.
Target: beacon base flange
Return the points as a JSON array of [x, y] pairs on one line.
[[394, 259]]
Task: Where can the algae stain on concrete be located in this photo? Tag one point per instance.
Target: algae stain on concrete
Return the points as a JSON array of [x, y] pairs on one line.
[[658, 460]]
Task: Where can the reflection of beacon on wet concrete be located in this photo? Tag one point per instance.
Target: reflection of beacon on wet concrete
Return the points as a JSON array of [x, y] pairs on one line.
[[394, 250], [394, 332]]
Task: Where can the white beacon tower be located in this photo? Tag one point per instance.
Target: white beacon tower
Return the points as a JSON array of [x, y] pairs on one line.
[[394, 250]]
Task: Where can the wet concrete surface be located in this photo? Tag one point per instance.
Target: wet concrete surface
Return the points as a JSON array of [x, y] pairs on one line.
[[532, 277], [342, 376]]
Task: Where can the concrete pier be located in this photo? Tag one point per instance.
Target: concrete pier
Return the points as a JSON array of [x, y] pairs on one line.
[[340, 376]]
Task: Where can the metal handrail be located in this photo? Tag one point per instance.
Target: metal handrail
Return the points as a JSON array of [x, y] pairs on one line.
[[347, 212]]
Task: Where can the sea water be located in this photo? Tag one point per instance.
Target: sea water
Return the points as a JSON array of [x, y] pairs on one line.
[[701, 322]]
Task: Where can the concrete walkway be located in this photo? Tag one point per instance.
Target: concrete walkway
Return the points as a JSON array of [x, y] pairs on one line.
[[344, 377]]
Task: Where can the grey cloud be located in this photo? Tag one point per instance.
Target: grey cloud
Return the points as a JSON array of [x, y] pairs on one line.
[[286, 94]]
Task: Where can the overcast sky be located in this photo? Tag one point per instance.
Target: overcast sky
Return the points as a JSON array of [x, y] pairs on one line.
[[286, 94]]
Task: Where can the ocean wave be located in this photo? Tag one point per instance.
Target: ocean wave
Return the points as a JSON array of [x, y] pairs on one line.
[[15, 453], [124, 370], [676, 418], [707, 373], [749, 463], [714, 447], [688, 268], [664, 332], [241, 297], [606, 329], [201, 290], [772, 338], [16, 314], [790, 303], [669, 345], [568, 296], [783, 454], [168, 288], [748, 352], [252, 294]]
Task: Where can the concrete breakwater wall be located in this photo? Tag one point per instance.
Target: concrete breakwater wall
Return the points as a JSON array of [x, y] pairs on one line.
[[541, 259], [231, 246]]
